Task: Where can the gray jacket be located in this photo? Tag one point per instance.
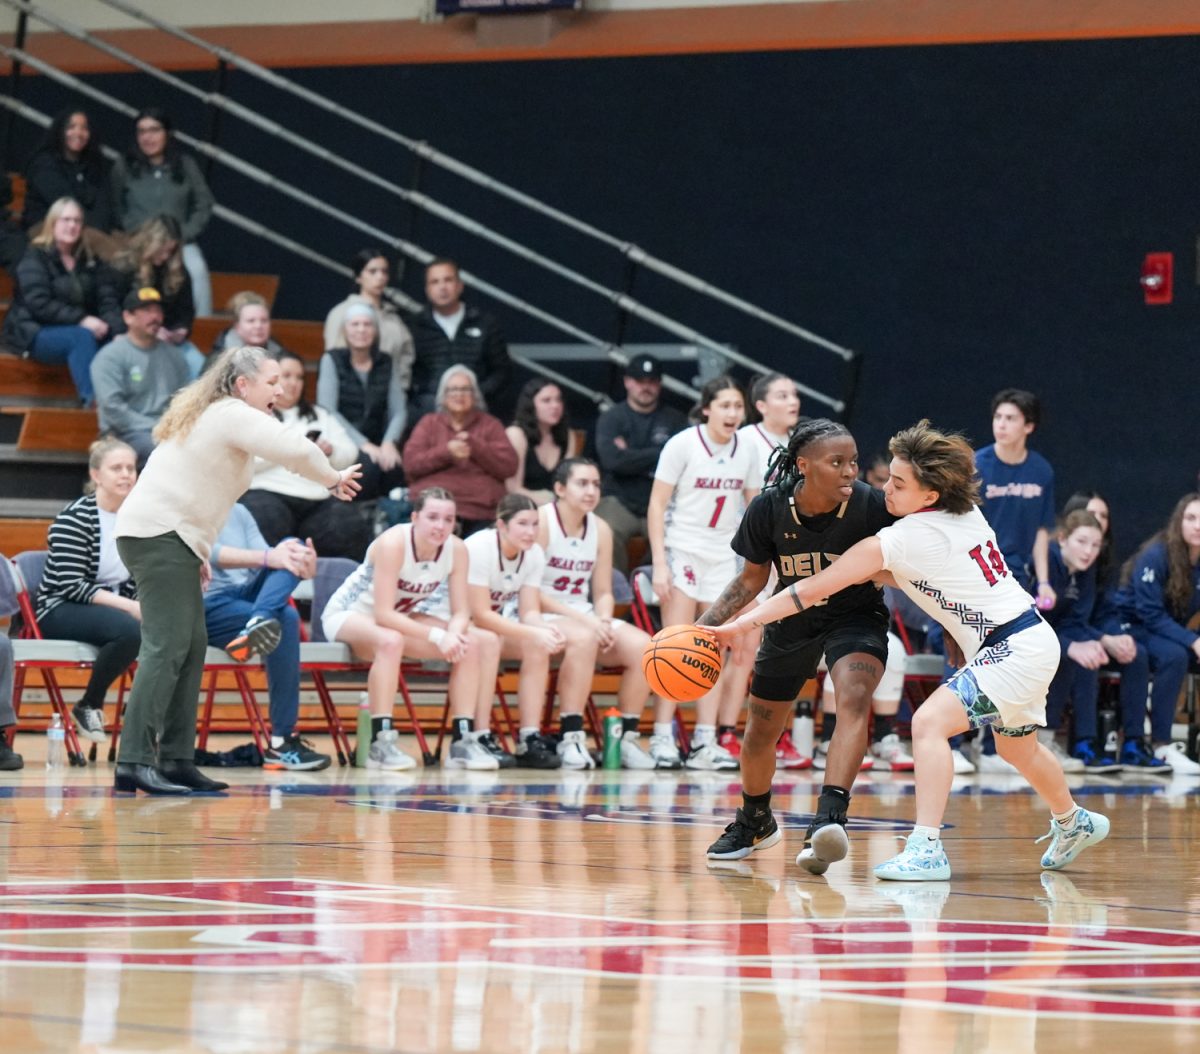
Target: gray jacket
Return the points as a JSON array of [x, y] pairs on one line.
[[155, 192], [134, 386]]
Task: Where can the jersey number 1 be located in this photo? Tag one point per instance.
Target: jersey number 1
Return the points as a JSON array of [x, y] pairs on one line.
[[997, 568], [717, 511]]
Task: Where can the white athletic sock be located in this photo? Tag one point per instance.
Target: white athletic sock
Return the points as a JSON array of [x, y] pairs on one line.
[[704, 734], [277, 741], [664, 728], [932, 833], [1067, 818], [527, 732]]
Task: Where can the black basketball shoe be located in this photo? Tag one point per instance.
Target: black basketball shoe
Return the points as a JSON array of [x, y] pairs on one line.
[[745, 836]]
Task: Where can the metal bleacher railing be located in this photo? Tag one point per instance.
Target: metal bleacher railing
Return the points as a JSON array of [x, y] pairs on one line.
[[220, 103]]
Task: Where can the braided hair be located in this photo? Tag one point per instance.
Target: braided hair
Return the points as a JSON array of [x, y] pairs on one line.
[[781, 468]]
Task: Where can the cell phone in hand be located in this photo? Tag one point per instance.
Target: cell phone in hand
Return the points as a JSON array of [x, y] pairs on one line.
[[314, 434]]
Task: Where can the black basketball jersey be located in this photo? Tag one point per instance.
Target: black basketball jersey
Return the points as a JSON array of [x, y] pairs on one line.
[[774, 531]]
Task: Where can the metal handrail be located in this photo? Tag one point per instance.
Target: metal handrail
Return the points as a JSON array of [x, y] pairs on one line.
[[622, 300], [423, 150]]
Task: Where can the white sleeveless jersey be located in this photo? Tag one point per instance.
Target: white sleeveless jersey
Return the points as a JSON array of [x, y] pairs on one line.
[[567, 575], [952, 568], [416, 581], [504, 579], [761, 444], [707, 504]]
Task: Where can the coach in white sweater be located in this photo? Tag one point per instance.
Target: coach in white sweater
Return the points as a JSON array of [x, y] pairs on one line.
[[207, 442]]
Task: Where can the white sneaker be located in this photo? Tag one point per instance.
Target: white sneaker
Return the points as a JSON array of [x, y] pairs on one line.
[[1066, 762], [572, 748], [994, 765], [384, 754], [711, 757], [665, 753], [632, 754], [469, 753], [963, 765], [821, 753], [1175, 755], [891, 752]]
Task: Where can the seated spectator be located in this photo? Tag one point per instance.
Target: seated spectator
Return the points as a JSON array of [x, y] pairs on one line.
[[381, 612], [65, 302], [286, 505], [371, 276], [462, 448], [358, 383], [1159, 596], [154, 258], [541, 438], [156, 178], [1095, 503], [250, 593], [1086, 648], [10, 760], [70, 164], [87, 593], [251, 326], [136, 375], [629, 438], [448, 332]]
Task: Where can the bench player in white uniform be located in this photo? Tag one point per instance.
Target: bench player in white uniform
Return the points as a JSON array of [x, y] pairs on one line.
[[944, 556], [505, 579], [701, 486], [577, 585], [776, 401], [377, 612]]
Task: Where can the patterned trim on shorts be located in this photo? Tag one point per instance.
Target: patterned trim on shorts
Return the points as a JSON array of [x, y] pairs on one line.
[[980, 709]]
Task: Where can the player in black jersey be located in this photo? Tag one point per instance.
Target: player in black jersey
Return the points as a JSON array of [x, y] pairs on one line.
[[814, 511]]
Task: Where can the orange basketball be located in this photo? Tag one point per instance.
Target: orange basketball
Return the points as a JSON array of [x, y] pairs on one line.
[[681, 663]]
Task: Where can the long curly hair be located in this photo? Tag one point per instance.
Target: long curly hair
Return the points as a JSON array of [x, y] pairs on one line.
[[781, 467], [149, 238], [91, 157], [1178, 588], [216, 383]]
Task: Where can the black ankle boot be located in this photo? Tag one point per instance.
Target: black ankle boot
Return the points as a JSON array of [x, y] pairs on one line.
[[131, 778], [186, 773]]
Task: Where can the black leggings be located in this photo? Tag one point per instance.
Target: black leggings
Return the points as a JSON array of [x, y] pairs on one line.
[[116, 634]]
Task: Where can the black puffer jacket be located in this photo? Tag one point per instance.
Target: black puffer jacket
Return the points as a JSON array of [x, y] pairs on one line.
[[47, 294]]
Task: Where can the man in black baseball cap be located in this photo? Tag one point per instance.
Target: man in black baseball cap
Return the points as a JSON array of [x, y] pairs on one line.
[[629, 438]]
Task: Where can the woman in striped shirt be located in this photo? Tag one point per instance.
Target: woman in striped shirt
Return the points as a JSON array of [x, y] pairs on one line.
[[87, 594]]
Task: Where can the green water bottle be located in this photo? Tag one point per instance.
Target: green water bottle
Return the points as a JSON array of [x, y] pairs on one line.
[[613, 726], [362, 746]]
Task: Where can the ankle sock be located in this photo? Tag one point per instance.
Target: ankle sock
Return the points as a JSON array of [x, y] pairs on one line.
[[726, 730], [1064, 820], [932, 833], [532, 730], [702, 734], [463, 727], [756, 806], [380, 724], [630, 724], [885, 725], [664, 728], [571, 723]]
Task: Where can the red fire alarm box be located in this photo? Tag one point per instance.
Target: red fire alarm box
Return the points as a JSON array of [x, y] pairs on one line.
[[1157, 277]]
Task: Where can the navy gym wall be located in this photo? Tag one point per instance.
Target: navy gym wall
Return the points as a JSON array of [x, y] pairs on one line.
[[969, 217]]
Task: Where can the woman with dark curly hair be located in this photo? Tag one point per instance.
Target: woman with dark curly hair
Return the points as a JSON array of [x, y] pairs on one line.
[[69, 164], [540, 436]]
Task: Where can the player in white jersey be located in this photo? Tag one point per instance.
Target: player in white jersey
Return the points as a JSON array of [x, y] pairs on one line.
[[577, 585], [943, 554], [505, 579], [701, 485], [376, 612]]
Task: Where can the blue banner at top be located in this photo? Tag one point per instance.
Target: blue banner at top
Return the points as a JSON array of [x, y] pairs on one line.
[[489, 7]]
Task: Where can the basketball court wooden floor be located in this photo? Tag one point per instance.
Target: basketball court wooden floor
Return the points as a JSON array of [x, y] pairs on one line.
[[351, 911]]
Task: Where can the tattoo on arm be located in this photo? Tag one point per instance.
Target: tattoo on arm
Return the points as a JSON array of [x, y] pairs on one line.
[[735, 597]]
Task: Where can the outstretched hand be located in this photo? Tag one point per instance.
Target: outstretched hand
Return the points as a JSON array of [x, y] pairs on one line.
[[347, 485]]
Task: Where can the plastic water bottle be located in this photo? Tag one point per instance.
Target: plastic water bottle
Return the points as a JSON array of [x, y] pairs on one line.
[[362, 746], [613, 729], [56, 744], [802, 729]]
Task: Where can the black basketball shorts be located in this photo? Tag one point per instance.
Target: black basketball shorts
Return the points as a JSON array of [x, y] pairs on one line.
[[785, 661]]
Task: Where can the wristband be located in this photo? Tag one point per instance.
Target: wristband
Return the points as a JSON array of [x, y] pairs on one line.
[[436, 636], [266, 555]]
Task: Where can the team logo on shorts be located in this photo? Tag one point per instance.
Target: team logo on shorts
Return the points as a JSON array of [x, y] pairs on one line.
[[689, 576]]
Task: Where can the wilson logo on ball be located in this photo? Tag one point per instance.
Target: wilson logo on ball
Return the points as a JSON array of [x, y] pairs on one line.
[[681, 663]]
